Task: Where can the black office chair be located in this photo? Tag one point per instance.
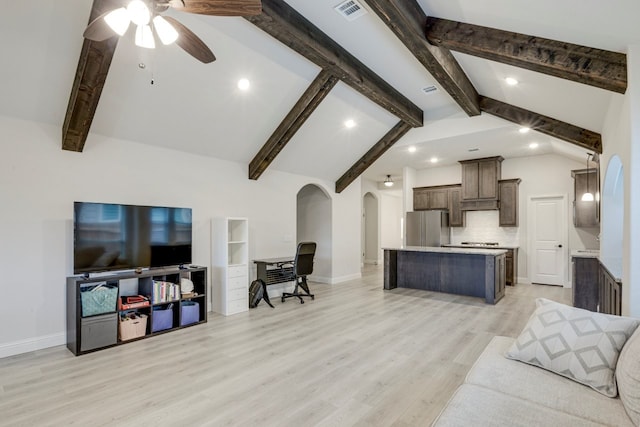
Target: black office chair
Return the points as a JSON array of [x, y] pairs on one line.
[[302, 266]]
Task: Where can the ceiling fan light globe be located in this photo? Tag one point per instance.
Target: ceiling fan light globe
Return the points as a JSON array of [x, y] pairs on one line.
[[144, 37], [139, 13], [165, 30], [118, 20]]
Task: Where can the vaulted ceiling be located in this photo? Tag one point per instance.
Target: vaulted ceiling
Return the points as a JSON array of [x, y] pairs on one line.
[[324, 70]]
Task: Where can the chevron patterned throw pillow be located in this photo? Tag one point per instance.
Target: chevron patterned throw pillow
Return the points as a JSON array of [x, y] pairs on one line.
[[575, 343]]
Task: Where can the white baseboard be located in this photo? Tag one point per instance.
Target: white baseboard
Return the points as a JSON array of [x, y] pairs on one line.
[[372, 261], [32, 344], [334, 280]]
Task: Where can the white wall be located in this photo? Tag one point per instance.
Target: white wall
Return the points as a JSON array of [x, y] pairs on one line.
[[547, 174], [314, 225], [372, 227], [613, 215], [346, 233], [39, 183], [391, 216], [621, 137], [631, 287]]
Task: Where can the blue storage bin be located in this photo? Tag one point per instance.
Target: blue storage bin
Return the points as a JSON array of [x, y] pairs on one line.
[[190, 312], [162, 318]]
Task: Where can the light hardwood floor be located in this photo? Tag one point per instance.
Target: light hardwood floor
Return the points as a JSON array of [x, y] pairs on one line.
[[357, 355]]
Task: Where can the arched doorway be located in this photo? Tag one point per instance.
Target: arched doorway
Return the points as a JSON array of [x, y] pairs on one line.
[[370, 238], [612, 224], [313, 224]]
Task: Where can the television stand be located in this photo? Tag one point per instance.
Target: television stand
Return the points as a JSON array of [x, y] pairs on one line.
[[96, 320]]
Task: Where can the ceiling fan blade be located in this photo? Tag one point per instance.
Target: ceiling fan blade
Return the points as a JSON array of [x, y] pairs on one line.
[[220, 7], [191, 43], [98, 30]]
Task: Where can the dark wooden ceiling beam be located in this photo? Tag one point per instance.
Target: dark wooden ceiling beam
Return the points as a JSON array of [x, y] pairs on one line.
[[595, 67], [407, 20], [372, 155], [93, 67], [285, 24], [579, 136], [307, 103]]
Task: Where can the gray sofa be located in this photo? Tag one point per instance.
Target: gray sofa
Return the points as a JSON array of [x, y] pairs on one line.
[[502, 392]]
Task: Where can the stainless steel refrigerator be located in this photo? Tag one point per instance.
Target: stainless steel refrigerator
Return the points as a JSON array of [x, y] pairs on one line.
[[427, 228]]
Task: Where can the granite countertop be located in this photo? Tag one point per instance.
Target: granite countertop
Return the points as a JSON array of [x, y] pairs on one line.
[[614, 265], [458, 245], [450, 250], [585, 253]]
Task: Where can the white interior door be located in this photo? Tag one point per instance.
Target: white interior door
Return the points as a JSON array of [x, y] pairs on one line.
[[548, 239]]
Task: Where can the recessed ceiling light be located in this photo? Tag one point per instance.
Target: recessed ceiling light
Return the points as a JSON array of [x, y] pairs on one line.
[[434, 160], [533, 145], [511, 81], [350, 123], [244, 84], [412, 149], [524, 129]]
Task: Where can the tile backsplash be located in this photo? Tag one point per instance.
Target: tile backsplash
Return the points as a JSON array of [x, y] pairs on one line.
[[483, 226]]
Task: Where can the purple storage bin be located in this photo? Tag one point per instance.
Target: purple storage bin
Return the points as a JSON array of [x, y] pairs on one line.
[[190, 312], [162, 318]]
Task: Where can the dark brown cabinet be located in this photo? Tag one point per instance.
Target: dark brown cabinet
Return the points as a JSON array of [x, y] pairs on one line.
[[584, 285], [509, 198], [610, 292], [428, 198], [511, 266], [585, 213], [440, 197], [500, 268], [456, 214], [480, 178]]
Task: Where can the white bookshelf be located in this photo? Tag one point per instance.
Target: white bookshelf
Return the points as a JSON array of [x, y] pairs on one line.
[[230, 259]]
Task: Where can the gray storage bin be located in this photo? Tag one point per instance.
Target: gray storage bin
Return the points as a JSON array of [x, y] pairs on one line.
[[99, 331]]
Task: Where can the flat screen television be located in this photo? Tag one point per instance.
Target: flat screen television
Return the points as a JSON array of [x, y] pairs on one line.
[[119, 237]]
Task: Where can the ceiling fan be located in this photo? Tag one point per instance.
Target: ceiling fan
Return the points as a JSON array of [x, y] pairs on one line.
[[147, 16]]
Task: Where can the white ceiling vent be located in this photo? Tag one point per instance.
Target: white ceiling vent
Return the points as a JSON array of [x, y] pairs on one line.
[[350, 9], [429, 89]]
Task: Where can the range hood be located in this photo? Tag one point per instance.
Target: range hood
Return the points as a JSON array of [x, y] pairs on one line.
[[480, 205], [480, 187]]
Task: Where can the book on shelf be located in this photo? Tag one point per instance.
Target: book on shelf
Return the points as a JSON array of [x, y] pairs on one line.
[[165, 291], [133, 301], [134, 298], [134, 305]]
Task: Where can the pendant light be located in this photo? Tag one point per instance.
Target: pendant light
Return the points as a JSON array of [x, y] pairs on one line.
[[588, 196], [388, 182]]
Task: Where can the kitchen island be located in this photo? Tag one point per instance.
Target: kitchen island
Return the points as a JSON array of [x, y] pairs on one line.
[[511, 259], [462, 271]]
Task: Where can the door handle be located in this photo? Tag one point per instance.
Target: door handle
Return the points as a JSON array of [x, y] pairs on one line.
[[559, 246]]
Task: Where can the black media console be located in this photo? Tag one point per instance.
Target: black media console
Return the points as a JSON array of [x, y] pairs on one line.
[[105, 310]]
